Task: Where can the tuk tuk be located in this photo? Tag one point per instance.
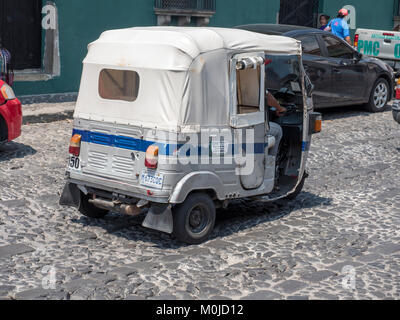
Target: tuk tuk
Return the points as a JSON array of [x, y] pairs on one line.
[[172, 123]]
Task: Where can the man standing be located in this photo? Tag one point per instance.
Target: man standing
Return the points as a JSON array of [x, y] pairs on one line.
[[339, 26]]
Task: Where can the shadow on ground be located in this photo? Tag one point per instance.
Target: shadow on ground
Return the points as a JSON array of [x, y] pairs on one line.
[[14, 150], [346, 112], [48, 118], [241, 215]]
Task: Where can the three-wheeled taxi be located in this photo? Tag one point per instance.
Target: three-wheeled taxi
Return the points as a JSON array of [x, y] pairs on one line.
[[172, 123]]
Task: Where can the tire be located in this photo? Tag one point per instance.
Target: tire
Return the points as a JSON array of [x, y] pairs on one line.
[[3, 130], [299, 188], [379, 97], [194, 219], [89, 210]]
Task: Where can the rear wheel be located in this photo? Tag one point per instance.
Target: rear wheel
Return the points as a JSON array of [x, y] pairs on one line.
[[194, 219], [379, 96], [89, 210]]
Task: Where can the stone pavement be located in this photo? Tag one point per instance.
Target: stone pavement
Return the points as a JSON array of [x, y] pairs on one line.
[[339, 239]]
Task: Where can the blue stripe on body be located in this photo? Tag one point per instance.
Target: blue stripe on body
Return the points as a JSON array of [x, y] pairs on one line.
[[139, 145]]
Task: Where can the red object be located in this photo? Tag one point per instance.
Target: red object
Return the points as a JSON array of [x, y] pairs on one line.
[[75, 151], [151, 160], [11, 112], [268, 61], [75, 145], [150, 164], [344, 12], [356, 38]]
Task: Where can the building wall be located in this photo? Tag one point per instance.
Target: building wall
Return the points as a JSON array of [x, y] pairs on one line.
[[370, 14], [81, 22]]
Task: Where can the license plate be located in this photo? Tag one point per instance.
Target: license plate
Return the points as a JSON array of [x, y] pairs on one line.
[[152, 179], [74, 164]]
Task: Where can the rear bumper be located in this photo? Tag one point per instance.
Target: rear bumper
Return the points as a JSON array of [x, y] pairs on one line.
[[11, 112], [111, 186]]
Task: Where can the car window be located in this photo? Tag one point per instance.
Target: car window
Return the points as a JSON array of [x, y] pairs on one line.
[[310, 45], [337, 49], [119, 85], [248, 90]]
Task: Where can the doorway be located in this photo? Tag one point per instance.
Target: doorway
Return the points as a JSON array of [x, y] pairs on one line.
[[21, 32], [299, 12]]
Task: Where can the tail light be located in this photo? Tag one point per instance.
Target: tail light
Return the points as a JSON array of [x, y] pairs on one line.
[[315, 122], [151, 160], [75, 145], [356, 38], [7, 92], [318, 125]]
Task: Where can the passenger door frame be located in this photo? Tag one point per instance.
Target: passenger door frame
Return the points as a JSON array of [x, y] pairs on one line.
[[256, 121]]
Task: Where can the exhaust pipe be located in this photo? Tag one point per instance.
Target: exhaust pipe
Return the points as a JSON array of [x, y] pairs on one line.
[[127, 209]]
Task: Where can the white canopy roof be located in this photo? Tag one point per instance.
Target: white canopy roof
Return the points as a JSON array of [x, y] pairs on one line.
[[174, 48], [184, 74]]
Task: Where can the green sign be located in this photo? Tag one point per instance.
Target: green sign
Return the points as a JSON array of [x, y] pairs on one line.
[[371, 48]]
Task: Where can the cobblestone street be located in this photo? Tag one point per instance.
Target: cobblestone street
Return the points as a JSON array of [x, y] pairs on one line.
[[339, 239]]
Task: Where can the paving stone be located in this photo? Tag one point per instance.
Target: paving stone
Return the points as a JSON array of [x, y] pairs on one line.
[[17, 203], [298, 298], [387, 248], [14, 249], [263, 295], [338, 267], [5, 290], [291, 286], [347, 214], [37, 293], [318, 276]]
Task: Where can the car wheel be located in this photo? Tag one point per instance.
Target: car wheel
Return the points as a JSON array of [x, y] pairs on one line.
[[379, 96], [3, 130], [194, 219], [89, 210]]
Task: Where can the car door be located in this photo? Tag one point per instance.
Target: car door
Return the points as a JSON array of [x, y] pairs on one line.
[[247, 119], [349, 75], [317, 68]]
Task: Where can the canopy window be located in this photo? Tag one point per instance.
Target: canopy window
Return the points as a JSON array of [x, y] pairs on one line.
[[248, 90], [119, 85]]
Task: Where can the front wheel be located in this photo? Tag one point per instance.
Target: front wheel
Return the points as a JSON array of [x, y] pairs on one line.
[[194, 219], [379, 96]]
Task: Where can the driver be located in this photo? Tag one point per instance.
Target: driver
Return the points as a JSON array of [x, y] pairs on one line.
[[274, 128]]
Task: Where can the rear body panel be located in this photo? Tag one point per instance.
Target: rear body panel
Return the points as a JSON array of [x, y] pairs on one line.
[[112, 158]]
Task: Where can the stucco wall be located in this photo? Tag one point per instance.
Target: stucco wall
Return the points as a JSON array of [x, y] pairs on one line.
[[81, 22]]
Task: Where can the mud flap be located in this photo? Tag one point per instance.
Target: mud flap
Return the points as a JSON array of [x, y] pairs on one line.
[[160, 221], [71, 196]]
